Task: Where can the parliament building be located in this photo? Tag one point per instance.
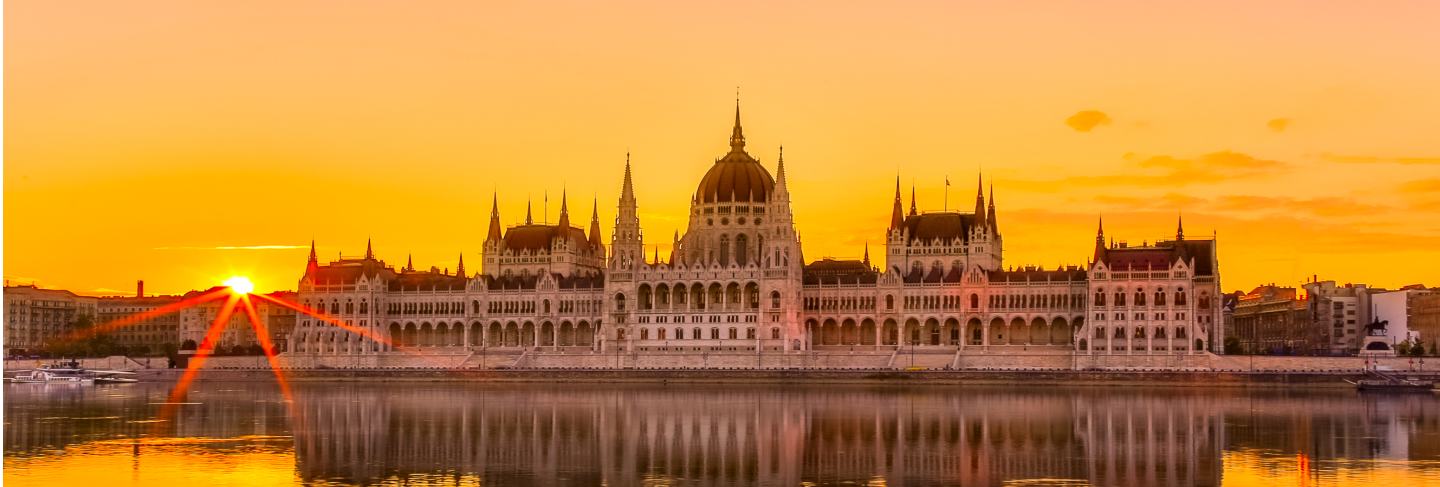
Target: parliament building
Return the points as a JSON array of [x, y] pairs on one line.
[[736, 283]]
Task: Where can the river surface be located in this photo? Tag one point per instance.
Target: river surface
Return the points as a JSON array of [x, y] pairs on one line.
[[465, 433]]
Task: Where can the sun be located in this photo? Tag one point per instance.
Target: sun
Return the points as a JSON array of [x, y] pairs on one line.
[[240, 285]]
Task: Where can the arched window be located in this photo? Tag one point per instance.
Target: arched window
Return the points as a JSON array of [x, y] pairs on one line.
[[661, 333], [619, 301], [774, 299], [547, 306], [724, 250], [1160, 297], [1119, 298], [974, 301], [679, 334], [695, 333], [742, 251], [1139, 297], [889, 301], [774, 333], [334, 307], [1204, 301], [1180, 296], [1099, 297]]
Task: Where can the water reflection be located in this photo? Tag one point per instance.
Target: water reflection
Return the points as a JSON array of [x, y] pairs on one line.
[[462, 433]]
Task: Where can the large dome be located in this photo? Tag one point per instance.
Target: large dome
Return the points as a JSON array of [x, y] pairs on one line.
[[737, 177]]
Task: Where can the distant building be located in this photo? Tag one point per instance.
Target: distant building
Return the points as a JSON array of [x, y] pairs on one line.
[[1425, 319], [152, 334], [1339, 313], [34, 316], [1272, 320], [1396, 308], [195, 321]]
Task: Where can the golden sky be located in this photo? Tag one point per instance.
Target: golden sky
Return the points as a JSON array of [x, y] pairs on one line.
[[180, 142]]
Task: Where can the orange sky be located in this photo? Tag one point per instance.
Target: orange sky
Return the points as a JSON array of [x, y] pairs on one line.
[[162, 140]]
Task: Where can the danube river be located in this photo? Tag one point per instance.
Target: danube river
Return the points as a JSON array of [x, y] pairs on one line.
[[462, 433]]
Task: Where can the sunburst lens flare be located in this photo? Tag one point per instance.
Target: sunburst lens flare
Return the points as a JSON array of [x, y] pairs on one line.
[[240, 285]]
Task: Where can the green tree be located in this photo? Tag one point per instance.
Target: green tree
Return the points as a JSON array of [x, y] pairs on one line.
[[1403, 348]]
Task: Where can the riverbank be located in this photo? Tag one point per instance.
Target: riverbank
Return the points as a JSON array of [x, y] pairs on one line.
[[874, 377]]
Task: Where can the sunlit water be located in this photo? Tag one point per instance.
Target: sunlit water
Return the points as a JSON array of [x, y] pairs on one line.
[[552, 434]]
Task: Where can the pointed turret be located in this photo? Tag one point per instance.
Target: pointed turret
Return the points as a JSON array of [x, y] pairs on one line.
[[912, 201], [626, 242], [737, 136], [980, 198], [595, 241], [1179, 228], [1100, 240], [494, 234], [313, 264], [460, 269], [867, 253], [369, 254], [529, 220], [564, 214], [990, 213], [897, 213], [409, 263], [782, 190]]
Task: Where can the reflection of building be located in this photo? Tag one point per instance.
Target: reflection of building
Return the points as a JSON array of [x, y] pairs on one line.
[[153, 333], [34, 316], [757, 436], [1275, 320], [736, 281]]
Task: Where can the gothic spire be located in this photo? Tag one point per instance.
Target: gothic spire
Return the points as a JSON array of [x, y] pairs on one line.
[[627, 190], [737, 137], [460, 270], [781, 189], [990, 214], [1100, 240], [313, 264], [595, 241], [494, 234], [897, 214], [528, 219], [979, 197], [369, 254], [912, 200], [1179, 228], [867, 253], [564, 212], [410, 262]]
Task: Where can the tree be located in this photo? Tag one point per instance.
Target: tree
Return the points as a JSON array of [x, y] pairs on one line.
[[1418, 350], [188, 345], [1403, 348]]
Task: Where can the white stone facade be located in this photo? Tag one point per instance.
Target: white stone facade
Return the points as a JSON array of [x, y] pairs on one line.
[[736, 281]]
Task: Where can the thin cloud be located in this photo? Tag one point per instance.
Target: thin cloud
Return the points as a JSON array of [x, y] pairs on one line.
[[1422, 186], [1087, 120], [1278, 125], [1169, 172], [1405, 161], [236, 247]]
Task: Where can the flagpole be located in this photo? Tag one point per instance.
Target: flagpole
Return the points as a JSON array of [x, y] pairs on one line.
[[947, 193]]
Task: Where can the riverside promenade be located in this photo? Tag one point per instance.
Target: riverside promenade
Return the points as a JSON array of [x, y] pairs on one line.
[[840, 367]]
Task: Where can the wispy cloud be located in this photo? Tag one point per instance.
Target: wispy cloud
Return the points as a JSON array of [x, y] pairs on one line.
[[1354, 159], [1087, 120], [1278, 125], [235, 247], [1168, 171]]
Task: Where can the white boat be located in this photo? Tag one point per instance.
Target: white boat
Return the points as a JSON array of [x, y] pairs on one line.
[[71, 373]]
